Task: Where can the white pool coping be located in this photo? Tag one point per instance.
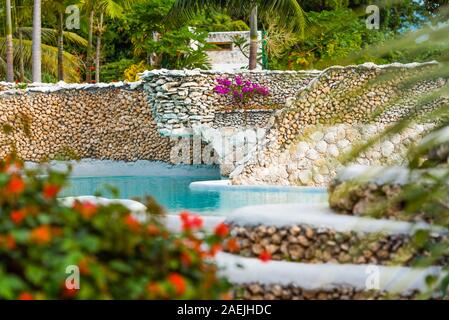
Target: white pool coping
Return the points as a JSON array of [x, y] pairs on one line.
[[171, 221], [320, 215], [225, 185], [393, 279]]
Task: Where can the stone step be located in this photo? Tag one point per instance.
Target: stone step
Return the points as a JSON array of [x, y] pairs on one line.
[[313, 233], [292, 280], [381, 192]]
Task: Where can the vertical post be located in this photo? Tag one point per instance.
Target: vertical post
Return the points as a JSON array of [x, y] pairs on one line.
[[254, 39], [98, 52], [36, 48], [9, 45], [89, 47], [61, 46]]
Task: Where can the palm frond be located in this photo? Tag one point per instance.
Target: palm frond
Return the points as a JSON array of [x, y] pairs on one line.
[[293, 15], [50, 36], [49, 59]]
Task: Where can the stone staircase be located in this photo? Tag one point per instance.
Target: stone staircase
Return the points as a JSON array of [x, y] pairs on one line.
[[319, 252]]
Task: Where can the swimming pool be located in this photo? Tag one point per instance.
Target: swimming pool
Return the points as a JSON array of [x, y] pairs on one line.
[[174, 194]]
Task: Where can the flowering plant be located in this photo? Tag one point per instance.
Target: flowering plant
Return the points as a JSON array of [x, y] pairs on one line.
[[117, 256], [240, 89]]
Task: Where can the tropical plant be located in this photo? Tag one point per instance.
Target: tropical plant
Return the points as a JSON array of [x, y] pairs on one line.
[[45, 240], [179, 49], [290, 10], [425, 195], [22, 53], [115, 71], [109, 8], [132, 73], [9, 44]]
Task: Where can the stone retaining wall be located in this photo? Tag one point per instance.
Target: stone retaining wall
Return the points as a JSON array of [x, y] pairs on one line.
[[342, 107], [319, 151], [387, 192], [309, 244], [242, 118], [256, 291], [311, 119], [182, 99], [100, 122]]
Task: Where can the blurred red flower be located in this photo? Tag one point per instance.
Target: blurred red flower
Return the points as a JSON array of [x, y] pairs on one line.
[[265, 256], [17, 216], [215, 248], [190, 221], [233, 245], [50, 191], [25, 296], [222, 230], [132, 222], [41, 235], [86, 208], [15, 185], [178, 282]]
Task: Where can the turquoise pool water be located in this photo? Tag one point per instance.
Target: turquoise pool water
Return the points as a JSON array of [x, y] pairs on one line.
[[174, 194]]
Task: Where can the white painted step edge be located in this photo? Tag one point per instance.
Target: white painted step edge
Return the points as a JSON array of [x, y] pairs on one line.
[[319, 215], [240, 270]]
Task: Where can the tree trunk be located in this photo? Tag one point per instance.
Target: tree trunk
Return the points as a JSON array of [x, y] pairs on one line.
[[89, 47], [21, 58], [36, 49], [98, 51], [9, 44], [61, 46], [254, 40]]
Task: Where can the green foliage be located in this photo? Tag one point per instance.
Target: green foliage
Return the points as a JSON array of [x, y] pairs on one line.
[[426, 195], [211, 21], [132, 73], [333, 36], [114, 71], [181, 48], [118, 256]]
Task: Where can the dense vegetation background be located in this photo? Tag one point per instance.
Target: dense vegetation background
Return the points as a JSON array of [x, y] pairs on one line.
[[129, 36]]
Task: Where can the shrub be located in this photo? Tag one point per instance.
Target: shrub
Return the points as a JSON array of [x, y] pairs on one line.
[[117, 255], [114, 71], [240, 89], [131, 73]]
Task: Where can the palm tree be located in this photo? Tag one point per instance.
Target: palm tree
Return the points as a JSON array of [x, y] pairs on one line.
[[50, 52], [21, 15], [110, 8], [36, 51], [89, 7], [290, 10], [59, 8], [98, 48], [9, 44]]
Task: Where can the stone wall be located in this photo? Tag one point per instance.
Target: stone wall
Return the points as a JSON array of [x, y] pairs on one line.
[[81, 121], [242, 118], [342, 107], [299, 132], [182, 99]]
